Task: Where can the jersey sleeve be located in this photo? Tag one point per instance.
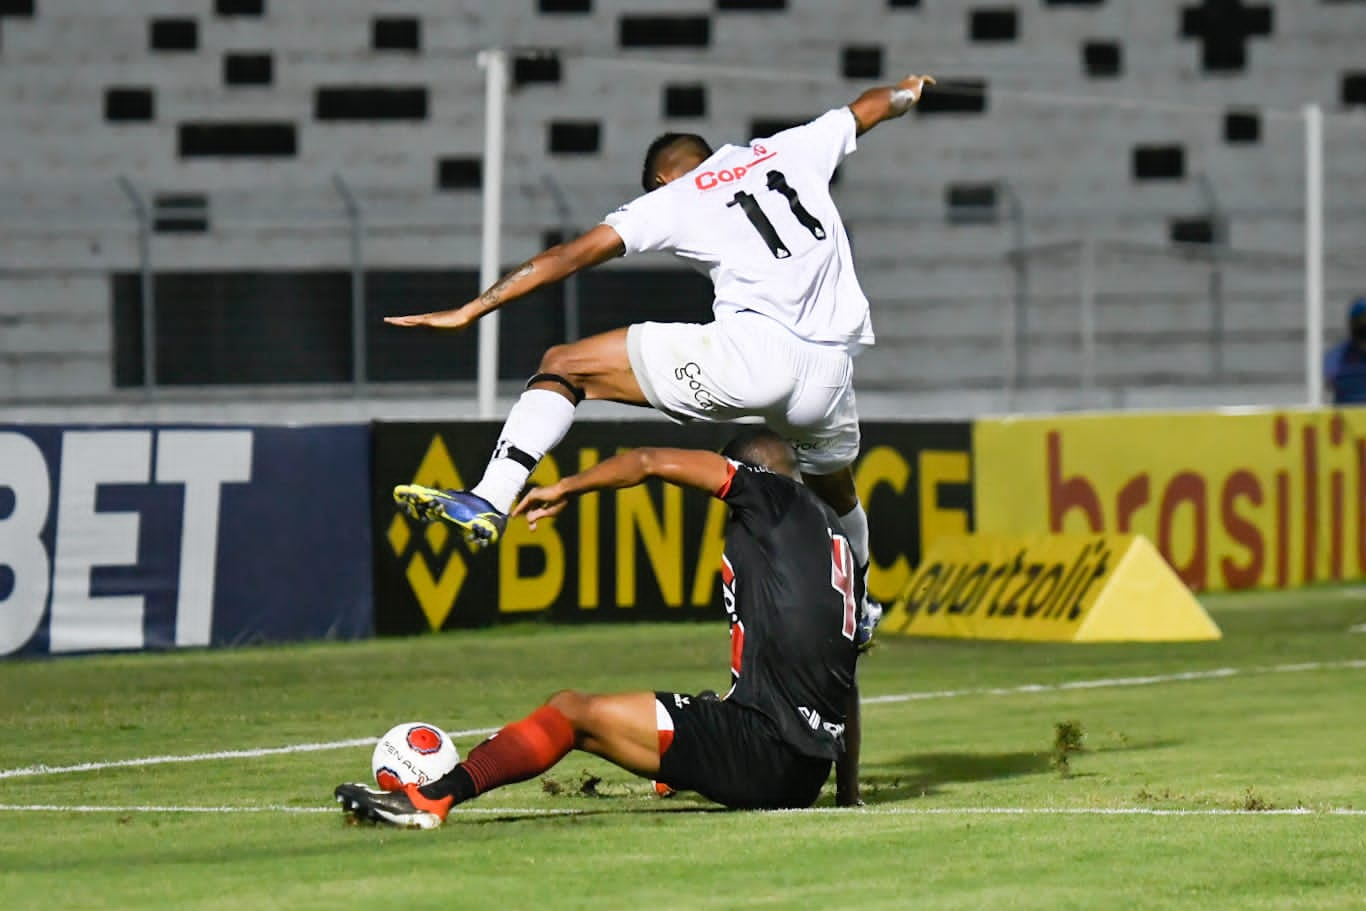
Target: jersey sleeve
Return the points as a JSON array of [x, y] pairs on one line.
[[756, 492], [646, 223], [823, 143]]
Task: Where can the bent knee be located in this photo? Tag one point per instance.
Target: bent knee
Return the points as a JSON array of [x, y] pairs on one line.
[[562, 360], [590, 715], [572, 704], [586, 712]]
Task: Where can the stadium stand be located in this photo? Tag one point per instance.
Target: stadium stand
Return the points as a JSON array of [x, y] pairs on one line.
[[979, 224]]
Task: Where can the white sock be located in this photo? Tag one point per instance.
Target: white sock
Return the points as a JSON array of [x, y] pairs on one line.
[[535, 425], [855, 524]]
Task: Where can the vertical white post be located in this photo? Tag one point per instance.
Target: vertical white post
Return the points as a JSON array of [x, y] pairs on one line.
[[1088, 315], [356, 217], [143, 211], [495, 66], [1313, 255]]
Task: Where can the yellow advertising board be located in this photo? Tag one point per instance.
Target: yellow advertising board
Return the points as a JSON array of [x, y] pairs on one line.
[[1231, 499], [1048, 588]]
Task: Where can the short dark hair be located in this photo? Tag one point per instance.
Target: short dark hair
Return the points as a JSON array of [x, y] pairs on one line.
[[759, 445], [669, 142]]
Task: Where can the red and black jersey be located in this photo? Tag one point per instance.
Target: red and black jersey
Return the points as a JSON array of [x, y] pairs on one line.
[[792, 592]]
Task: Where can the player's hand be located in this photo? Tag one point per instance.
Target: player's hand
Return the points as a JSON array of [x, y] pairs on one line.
[[542, 503], [908, 91], [458, 318]]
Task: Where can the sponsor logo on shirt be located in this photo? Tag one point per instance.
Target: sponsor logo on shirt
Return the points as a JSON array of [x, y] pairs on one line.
[[689, 374], [709, 180], [809, 445], [815, 722]]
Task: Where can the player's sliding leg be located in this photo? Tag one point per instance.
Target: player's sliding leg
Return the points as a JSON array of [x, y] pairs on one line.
[[621, 728], [598, 367], [520, 750]]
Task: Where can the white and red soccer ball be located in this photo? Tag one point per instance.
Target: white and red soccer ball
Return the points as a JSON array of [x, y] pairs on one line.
[[412, 753]]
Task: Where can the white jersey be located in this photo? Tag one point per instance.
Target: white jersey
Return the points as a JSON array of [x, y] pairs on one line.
[[759, 220]]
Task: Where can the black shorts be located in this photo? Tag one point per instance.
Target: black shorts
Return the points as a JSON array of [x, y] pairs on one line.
[[733, 755]]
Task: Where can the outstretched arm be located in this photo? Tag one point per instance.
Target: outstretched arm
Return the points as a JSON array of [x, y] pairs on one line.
[[887, 102], [561, 261], [697, 468]]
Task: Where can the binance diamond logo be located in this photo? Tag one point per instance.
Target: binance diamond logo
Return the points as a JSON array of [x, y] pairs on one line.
[[436, 535], [435, 591], [399, 535]]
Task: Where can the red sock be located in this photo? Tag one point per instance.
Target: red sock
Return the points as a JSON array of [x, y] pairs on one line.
[[521, 750]]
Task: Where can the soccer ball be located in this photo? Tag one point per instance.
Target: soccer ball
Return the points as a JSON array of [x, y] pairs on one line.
[[412, 753]]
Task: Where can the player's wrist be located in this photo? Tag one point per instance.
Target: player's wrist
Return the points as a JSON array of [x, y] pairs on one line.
[[901, 100]]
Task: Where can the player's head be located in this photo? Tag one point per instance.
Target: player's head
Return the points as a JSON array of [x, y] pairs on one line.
[[761, 446], [672, 155], [1356, 321]]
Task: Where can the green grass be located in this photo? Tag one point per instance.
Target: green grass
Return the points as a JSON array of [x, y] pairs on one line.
[[1253, 740]]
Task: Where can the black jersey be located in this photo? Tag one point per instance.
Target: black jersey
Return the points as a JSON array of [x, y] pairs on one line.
[[792, 592]]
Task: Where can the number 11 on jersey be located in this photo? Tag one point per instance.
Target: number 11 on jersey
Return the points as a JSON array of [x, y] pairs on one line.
[[777, 182]]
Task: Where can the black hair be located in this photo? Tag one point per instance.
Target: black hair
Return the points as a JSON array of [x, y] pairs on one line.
[[669, 142], [761, 446]]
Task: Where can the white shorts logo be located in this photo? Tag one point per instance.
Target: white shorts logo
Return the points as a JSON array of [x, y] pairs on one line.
[[689, 373]]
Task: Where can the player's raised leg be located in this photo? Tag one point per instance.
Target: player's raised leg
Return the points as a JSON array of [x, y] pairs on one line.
[[837, 489], [621, 728], [598, 367]]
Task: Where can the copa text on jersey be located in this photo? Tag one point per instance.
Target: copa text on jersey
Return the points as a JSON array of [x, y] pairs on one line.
[[709, 180]]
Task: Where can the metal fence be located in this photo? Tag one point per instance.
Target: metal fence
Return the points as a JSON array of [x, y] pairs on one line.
[[1037, 286]]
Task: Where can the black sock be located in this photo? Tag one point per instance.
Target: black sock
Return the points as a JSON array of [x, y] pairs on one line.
[[456, 783]]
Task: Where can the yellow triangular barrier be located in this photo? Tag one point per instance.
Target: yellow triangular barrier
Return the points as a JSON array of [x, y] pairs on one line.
[[1051, 588]]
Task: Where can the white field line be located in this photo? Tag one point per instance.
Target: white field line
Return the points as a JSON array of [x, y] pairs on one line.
[[1103, 682], [1026, 689], [270, 808], [867, 811], [29, 771]]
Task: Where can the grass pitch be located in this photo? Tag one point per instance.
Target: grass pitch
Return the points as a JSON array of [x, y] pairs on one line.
[[1208, 776]]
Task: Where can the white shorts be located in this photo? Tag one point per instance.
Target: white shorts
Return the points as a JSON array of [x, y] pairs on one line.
[[748, 365]]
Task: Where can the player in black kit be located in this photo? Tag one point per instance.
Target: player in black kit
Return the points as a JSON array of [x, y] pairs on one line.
[[792, 592]]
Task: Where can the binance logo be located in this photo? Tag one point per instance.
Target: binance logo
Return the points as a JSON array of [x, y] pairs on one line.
[[435, 589]]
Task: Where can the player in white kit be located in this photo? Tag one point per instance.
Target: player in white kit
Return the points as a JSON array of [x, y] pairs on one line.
[[789, 318], [790, 314]]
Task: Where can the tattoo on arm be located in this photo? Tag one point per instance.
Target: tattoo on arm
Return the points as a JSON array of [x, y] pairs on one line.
[[494, 296]]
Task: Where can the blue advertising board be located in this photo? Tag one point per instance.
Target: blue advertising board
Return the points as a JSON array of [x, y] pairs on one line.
[[157, 537]]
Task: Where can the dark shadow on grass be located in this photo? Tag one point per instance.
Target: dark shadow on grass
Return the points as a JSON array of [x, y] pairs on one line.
[[913, 775], [925, 774], [570, 814]]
